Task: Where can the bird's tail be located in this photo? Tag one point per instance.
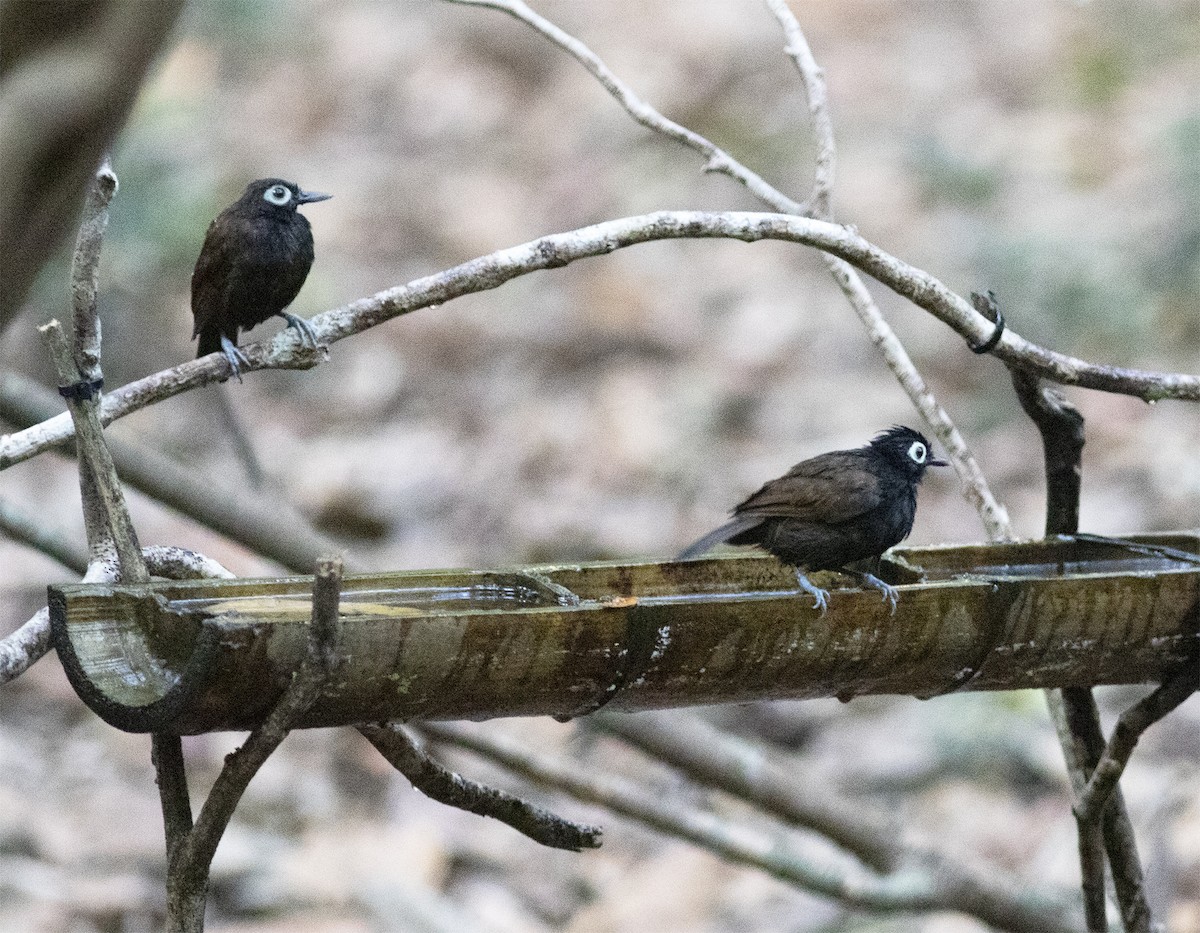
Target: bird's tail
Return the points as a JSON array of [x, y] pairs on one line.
[[210, 341], [724, 533]]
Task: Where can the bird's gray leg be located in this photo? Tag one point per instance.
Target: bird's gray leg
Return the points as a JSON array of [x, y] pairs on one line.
[[820, 596], [237, 359], [307, 334], [890, 594]]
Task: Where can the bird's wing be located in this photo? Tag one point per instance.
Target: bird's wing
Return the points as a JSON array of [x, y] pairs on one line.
[[827, 490], [210, 277]]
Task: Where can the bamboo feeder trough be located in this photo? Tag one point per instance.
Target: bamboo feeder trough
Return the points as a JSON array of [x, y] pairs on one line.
[[192, 657]]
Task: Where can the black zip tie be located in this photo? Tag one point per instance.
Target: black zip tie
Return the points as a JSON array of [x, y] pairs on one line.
[[987, 305], [83, 390]]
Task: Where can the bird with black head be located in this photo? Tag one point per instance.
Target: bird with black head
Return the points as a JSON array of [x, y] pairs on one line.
[[834, 509], [255, 258]]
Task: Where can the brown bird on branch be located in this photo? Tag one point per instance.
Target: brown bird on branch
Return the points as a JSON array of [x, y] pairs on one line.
[[834, 509], [255, 258]]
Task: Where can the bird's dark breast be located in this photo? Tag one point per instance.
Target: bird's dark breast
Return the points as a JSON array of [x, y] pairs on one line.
[[269, 271], [817, 546]]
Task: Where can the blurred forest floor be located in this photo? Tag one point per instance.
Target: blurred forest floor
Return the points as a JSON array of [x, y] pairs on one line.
[[618, 408]]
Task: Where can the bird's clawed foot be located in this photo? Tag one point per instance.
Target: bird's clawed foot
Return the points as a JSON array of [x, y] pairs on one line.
[[891, 595], [237, 359], [307, 335], [820, 596]]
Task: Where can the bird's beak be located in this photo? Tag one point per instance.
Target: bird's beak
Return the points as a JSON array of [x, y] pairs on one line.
[[308, 197], [934, 461]]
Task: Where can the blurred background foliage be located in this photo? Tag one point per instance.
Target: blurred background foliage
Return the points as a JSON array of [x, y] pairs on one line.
[[618, 407]]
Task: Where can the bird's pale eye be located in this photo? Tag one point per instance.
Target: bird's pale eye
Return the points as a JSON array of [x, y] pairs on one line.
[[917, 452], [278, 195]]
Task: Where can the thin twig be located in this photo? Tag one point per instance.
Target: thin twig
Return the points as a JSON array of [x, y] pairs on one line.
[[1068, 710], [813, 78], [717, 159], [975, 485], [1073, 710], [170, 774], [741, 842], [780, 786], [243, 446], [1130, 726], [106, 518], [445, 786], [1077, 721], [976, 488], [749, 771]]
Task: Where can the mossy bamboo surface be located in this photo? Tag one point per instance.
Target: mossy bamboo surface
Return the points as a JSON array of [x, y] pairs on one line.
[[562, 640]]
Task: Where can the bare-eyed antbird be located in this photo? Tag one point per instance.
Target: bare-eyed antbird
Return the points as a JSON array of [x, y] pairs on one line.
[[834, 509], [255, 257]]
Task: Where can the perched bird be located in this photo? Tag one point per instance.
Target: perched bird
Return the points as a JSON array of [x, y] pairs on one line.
[[255, 257], [835, 509]]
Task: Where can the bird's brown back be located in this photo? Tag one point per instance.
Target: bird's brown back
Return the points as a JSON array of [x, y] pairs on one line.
[[828, 489]]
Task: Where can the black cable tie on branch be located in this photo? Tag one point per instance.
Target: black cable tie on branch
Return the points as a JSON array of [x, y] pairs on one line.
[[985, 303], [82, 391]]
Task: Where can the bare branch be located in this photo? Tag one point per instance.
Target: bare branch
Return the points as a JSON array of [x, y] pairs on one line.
[[1130, 726], [749, 844], [1077, 721], [747, 770], [813, 78], [85, 270], [975, 485], [190, 857], [439, 783], [53, 542], [105, 513], [977, 491], [1061, 428], [781, 787], [106, 517], [26, 645], [284, 350], [170, 774], [1073, 711], [176, 563], [20, 650], [716, 158], [258, 520]]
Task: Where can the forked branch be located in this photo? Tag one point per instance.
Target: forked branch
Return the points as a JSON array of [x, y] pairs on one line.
[[190, 848]]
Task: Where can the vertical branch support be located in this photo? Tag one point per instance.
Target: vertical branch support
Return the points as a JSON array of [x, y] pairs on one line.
[[1106, 829], [190, 848], [111, 536], [110, 529]]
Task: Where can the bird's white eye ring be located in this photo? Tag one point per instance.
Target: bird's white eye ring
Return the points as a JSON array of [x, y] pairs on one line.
[[278, 195], [917, 452]]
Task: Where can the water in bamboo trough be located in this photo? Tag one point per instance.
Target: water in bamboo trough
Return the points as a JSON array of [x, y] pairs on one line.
[[564, 640]]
